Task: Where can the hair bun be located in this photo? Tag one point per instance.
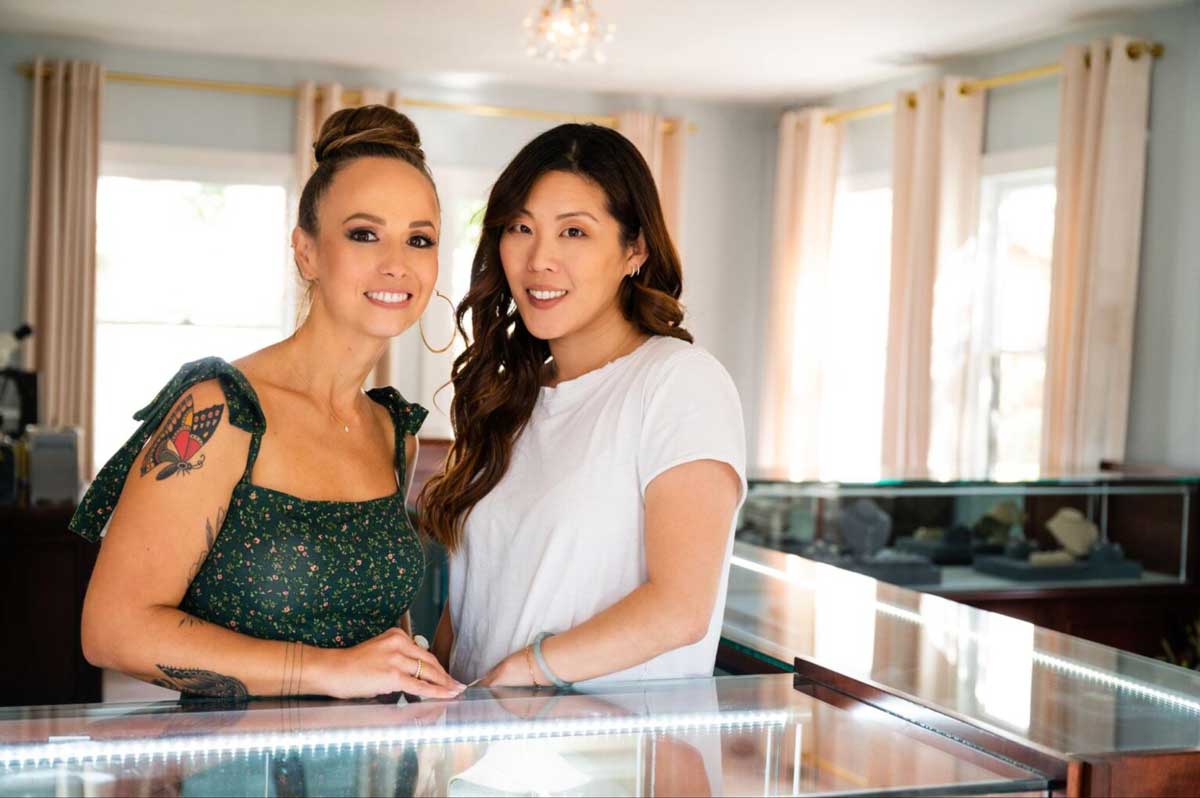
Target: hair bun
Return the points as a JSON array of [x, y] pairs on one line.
[[374, 125]]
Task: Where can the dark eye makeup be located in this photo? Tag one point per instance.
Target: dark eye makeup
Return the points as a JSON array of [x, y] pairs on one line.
[[365, 235]]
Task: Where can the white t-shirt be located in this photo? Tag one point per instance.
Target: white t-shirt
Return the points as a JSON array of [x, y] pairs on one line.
[[562, 535]]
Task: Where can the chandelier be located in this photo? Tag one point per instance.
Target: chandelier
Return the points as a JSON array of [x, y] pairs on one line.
[[566, 31]]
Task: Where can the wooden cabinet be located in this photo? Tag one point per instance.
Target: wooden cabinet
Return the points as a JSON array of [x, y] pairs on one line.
[[44, 571]]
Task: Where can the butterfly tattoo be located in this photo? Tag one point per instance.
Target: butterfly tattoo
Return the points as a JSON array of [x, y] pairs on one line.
[[181, 438]]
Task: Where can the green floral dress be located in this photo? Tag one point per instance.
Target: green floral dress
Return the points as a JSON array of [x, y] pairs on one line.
[[327, 573]]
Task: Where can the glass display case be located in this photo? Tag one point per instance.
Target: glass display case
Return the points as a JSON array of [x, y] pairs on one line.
[[1102, 530], [752, 735], [1044, 698]]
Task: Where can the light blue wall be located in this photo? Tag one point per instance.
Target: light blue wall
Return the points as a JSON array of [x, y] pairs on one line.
[[729, 182], [725, 225], [1164, 424]]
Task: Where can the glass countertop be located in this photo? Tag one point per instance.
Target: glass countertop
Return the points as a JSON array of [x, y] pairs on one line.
[[729, 735], [1059, 693]]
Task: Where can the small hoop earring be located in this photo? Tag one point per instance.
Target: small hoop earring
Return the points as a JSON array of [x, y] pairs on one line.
[[453, 331]]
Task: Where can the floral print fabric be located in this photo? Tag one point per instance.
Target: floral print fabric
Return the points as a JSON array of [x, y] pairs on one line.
[[326, 573]]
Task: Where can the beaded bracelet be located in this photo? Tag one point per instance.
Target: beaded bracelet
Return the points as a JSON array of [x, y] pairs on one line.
[[541, 661]]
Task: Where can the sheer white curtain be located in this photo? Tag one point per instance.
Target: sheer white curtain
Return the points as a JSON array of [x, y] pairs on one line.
[[662, 141], [805, 189], [1105, 99], [936, 154]]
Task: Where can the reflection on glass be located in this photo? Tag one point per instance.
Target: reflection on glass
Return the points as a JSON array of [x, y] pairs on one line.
[[844, 628], [942, 641], [1004, 684], [728, 736], [1056, 691]]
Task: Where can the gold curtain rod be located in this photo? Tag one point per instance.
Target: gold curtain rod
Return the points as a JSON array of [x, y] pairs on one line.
[[352, 97], [1134, 49]]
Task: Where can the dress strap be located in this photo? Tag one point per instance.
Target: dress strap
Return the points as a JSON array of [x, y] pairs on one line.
[[407, 419], [252, 455], [244, 412]]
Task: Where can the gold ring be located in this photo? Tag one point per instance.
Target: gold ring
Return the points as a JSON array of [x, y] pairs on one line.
[[417, 672]]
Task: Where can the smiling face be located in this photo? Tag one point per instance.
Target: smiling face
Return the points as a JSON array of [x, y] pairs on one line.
[[564, 257], [374, 254]]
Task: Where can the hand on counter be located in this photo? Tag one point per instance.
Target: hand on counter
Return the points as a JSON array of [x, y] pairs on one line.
[[389, 663], [512, 671]]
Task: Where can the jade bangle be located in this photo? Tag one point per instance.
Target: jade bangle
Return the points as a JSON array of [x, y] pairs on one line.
[[541, 661]]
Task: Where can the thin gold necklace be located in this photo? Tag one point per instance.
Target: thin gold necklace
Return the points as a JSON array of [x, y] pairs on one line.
[[335, 417], [345, 427]]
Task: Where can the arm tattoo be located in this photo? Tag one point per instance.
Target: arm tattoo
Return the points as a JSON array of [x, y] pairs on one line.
[[210, 537], [199, 682], [181, 438]]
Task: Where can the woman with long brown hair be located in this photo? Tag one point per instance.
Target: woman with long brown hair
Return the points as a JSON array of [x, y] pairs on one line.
[[588, 499], [257, 543]]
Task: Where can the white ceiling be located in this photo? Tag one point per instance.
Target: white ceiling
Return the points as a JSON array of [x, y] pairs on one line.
[[759, 50]]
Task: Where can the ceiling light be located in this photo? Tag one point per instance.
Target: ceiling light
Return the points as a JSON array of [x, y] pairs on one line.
[[566, 31]]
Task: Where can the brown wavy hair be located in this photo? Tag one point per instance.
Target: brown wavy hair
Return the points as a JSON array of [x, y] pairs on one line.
[[497, 379]]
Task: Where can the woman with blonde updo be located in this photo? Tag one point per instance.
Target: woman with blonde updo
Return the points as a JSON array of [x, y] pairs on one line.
[[256, 540]]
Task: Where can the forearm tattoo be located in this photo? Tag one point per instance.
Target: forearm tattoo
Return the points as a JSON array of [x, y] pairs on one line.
[[200, 682], [181, 438]]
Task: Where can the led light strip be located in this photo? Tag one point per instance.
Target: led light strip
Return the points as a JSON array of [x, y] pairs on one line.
[[1057, 663], [1107, 678], [1060, 664], [44, 754]]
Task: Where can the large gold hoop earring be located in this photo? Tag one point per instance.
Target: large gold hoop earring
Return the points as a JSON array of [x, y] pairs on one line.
[[453, 330]]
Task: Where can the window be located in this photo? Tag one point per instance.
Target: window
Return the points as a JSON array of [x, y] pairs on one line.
[[192, 261], [1008, 360], [854, 319], [989, 332]]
